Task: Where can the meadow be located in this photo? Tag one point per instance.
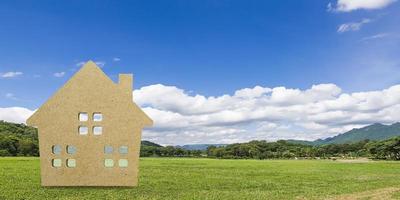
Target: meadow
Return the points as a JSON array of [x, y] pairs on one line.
[[185, 178]]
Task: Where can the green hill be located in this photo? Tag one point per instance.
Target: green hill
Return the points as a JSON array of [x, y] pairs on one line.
[[303, 142], [150, 144], [18, 140], [374, 132]]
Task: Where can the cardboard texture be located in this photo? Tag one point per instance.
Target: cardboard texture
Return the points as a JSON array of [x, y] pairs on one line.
[[102, 149]]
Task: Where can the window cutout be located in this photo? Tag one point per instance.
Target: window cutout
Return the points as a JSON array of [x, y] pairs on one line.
[[71, 149], [71, 163], [97, 117], [83, 117], [56, 149], [56, 162], [83, 130], [108, 149], [123, 149], [109, 163], [123, 163], [97, 130]]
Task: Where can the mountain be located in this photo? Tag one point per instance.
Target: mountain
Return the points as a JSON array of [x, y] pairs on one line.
[[201, 147], [374, 132]]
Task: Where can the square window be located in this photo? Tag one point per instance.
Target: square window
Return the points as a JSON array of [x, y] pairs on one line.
[[97, 117], [56, 162], [123, 149], [108, 149], [109, 163], [56, 149], [97, 130], [123, 163], [83, 130], [83, 117], [71, 162], [71, 149]]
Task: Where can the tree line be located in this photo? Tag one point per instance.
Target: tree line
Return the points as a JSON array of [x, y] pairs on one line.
[[22, 140], [261, 149], [287, 150], [168, 151]]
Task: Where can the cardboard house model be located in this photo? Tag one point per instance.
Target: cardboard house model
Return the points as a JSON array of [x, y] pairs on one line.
[[90, 132]]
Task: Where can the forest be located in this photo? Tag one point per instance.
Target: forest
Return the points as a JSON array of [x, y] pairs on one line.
[[18, 140], [22, 140]]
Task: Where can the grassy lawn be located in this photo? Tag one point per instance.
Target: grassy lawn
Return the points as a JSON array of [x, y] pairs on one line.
[[181, 178]]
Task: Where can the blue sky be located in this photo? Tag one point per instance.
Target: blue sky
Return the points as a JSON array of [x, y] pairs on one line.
[[209, 48]]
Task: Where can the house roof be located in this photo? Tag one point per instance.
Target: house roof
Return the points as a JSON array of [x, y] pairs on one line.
[[91, 74]]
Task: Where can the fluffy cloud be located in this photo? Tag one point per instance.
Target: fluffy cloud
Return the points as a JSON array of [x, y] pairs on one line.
[[10, 74], [350, 5], [352, 26], [262, 113], [15, 114], [254, 113]]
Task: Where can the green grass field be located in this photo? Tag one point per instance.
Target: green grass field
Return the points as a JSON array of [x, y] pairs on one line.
[[181, 178]]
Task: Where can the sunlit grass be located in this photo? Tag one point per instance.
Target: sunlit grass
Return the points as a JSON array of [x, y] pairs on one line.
[[181, 178]]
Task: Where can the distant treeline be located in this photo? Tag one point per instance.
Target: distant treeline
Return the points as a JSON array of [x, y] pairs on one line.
[[22, 140], [384, 150], [387, 150], [168, 151]]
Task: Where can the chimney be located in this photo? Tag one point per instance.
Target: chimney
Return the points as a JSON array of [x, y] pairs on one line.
[[125, 82]]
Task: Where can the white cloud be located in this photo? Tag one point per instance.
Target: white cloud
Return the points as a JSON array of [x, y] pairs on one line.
[[59, 74], [262, 113], [376, 36], [352, 26], [350, 5], [15, 114], [116, 59], [100, 63], [255, 113], [10, 74], [252, 92]]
